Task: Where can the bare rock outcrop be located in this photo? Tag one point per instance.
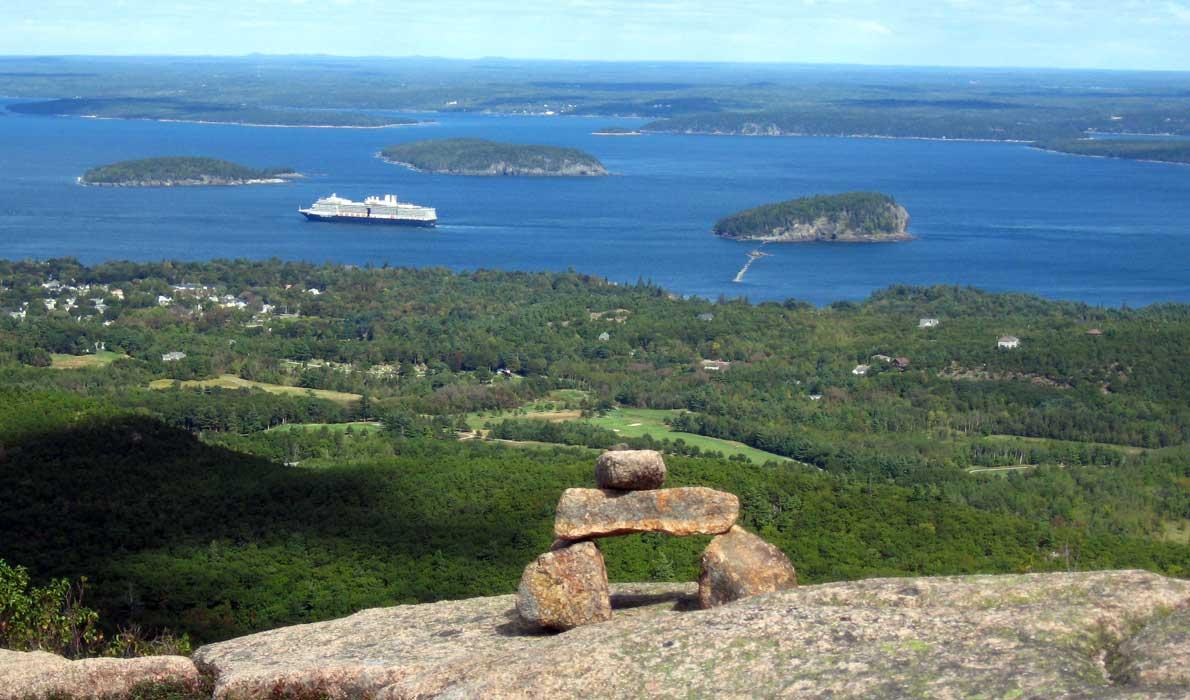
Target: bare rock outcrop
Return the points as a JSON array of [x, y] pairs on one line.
[[565, 587], [1015, 636], [630, 470], [38, 674], [694, 510], [738, 564]]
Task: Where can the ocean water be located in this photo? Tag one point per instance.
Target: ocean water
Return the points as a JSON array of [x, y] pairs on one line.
[[996, 216]]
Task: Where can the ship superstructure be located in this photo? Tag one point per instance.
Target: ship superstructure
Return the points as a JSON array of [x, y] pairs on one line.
[[373, 210]]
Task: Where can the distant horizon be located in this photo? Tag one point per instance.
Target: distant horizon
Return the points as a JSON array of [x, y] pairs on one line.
[[579, 61], [1088, 35]]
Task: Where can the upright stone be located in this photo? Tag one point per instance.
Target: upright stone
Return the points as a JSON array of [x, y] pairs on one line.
[[630, 470], [564, 588], [739, 564], [587, 513]]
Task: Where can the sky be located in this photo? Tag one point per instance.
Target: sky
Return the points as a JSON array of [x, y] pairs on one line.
[[1120, 34]]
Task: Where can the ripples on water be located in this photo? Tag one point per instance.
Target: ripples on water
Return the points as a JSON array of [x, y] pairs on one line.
[[997, 216]]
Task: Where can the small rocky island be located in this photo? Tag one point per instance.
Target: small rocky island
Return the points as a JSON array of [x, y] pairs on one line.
[[854, 217], [464, 156], [177, 171]]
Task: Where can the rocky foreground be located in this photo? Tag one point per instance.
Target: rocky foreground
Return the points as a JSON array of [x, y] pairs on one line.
[[1116, 634]]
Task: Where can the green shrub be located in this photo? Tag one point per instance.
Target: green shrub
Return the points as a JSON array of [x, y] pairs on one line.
[[51, 618]]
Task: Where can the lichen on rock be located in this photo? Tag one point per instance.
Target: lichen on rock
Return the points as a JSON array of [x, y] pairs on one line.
[[738, 564]]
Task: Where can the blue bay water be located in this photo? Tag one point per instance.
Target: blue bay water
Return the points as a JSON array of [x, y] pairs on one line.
[[997, 216]]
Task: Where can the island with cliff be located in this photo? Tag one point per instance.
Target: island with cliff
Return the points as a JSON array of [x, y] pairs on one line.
[[468, 156], [182, 171], [850, 217]]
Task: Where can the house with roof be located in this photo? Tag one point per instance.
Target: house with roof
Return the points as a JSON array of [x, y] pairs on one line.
[[173, 356], [927, 322], [1008, 342], [715, 365], [861, 370]]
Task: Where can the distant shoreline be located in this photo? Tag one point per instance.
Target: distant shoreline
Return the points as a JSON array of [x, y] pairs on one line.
[[211, 123], [1096, 155], [189, 183], [837, 136]]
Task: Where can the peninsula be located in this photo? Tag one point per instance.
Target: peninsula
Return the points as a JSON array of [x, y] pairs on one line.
[[857, 217], [616, 131], [466, 156], [179, 171], [175, 110], [1165, 151]]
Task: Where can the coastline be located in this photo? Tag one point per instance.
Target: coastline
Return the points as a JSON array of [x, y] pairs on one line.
[[891, 238], [1095, 155], [675, 132], [188, 183], [251, 124], [483, 173]]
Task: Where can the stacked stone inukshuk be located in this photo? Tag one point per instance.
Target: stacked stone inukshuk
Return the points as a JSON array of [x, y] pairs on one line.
[[567, 586]]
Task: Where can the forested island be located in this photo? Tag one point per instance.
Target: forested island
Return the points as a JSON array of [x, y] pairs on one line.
[[468, 156], [1132, 149], [169, 109], [182, 171], [857, 217]]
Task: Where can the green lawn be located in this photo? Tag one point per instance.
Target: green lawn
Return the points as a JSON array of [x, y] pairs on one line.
[[635, 422], [230, 381], [356, 427], [103, 358], [629, 422]]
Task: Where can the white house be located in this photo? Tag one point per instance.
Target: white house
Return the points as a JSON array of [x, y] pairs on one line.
[[605, 336], [313, 291], [49, 303], [1008, 342], [927, 322], [860, 370], [708, 316], [173, 356], [163, 300]]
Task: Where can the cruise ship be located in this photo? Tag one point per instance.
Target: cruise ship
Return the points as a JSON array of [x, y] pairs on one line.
[[373, 210]]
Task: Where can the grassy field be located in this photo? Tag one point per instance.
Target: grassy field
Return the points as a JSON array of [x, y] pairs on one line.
[[629, 422], [1177, 531], [635, 422], [230, 381], [1126, 449], [358, 427], [102, 358]]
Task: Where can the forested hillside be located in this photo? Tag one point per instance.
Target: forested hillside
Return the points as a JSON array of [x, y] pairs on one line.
[[234, 445]]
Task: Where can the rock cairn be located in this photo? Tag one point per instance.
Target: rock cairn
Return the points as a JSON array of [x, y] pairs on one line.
[[567, 586]]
